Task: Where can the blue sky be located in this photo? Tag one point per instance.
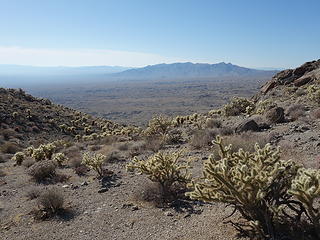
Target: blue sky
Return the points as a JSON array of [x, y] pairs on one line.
[[282, 33]]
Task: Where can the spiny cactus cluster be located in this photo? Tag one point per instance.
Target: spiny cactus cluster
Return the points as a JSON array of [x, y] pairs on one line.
[[314, 93], [165, 168], [94, 161], [306, 188], [238, 106], [18, 157], [59, 158], [158, 125], [261, 187], [264, 105]]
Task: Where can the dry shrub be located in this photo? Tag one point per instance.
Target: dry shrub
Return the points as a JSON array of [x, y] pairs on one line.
[[226, 131], [137, 148], [315, 113], [81, 170], [28, 162], [213, 123], [246, 141], [75, 162], [202, 138], [8, 133], [112, 154], [10, 147], [2, 160], [50, 202], [33, 192], [42, 170], [153, 144], [123, 146], [2, 173], [295, 111]]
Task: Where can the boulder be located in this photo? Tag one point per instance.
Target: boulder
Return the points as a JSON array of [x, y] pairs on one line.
[[247, 125], [275, 115], [302, 81]]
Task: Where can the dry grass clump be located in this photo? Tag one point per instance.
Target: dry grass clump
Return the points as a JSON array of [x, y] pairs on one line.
[[10, 147], [42, 170], [33, 192], [50, 203], [213, 123], [202, 138], [28, 162], [137, 148], [153, 144], [315, 113], [8, 133], [246, 141]]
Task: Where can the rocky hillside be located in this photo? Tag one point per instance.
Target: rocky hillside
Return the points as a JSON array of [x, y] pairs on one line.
[[85, 186]]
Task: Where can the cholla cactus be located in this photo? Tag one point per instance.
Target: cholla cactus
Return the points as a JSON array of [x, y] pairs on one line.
[[314, 93], [29, 151], [264, 106], [306, 188], [59, 158], [237, 106], [158, 125], [94, 161], [245, 180], [38, 154], [15, 114], [18, 157], [163, 167]]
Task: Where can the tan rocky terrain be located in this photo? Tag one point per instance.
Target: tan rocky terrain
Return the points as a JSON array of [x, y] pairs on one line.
[[118, 204]]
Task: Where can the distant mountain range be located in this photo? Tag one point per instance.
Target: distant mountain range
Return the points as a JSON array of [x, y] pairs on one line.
[[191, 70], [13, 70], [16, 75]]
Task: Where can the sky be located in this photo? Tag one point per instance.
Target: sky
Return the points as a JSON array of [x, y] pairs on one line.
[[135, 33]]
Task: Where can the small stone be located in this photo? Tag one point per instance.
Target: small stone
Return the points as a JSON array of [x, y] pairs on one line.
[[134, 208], [65, 186], [84, 183], [169, 214], [102, 190]]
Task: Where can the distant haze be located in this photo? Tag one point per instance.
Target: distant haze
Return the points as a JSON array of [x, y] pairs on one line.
[[27, 76]]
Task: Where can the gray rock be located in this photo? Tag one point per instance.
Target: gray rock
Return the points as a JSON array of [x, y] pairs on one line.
[[247, 125]]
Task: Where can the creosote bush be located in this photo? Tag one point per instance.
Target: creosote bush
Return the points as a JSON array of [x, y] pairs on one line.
[[165, 168], [94, 161]]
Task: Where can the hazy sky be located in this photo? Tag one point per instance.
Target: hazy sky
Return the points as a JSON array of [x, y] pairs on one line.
[[252, 33]]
